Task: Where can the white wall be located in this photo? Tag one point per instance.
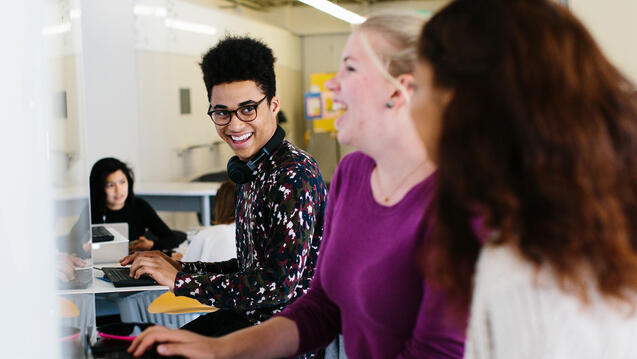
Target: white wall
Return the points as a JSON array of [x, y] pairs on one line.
[[613, 23], [110, 81]]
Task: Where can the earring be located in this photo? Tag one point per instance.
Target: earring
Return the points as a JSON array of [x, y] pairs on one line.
[[389, 104]]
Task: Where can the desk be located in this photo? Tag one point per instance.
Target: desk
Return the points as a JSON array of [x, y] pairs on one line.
[[100, 286], [84, 299], [179, 196], [162, 196]]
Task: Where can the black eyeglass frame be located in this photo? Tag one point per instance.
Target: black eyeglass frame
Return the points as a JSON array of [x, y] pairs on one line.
[[236, 112]]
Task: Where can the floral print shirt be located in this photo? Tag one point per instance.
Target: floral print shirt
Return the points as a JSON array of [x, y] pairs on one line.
[[279, 220]]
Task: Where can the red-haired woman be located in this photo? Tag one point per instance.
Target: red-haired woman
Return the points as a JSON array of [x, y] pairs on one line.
[[534, 133]]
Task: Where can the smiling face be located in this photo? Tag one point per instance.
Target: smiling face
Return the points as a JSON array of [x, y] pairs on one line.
[[245, 138], [116, 189], [361, 89]]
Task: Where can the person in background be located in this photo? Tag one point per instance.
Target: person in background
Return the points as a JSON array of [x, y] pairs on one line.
[[535, 135], [113, 201], [216, 243], [281, 198], [368, 285]]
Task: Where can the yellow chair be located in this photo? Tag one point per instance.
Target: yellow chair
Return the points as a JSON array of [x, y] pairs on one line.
[[168, 303], [68, 309]]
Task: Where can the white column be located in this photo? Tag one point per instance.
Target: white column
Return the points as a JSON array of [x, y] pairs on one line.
[[28, 324]]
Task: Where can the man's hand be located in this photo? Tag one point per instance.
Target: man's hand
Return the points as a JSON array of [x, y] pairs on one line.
[[159, 266], [142, 244], [131, 258], [176, 342]]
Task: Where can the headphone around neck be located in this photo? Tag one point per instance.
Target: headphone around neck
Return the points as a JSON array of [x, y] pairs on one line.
[[242, 172]]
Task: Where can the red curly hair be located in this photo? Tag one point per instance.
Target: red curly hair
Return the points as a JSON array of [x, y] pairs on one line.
[[541, 135]]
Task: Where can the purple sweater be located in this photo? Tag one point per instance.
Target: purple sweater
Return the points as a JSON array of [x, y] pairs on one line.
[[368, 284]]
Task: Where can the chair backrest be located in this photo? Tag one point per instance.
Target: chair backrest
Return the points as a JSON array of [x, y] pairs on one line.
[[135, 308]]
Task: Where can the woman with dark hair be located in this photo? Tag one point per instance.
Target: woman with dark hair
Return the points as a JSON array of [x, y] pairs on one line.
[[113, 200], [535, 135]]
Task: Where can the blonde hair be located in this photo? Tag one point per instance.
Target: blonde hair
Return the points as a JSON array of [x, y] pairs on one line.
[[401, 31]]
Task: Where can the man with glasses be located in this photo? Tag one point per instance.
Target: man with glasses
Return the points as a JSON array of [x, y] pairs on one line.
[[279, 214]]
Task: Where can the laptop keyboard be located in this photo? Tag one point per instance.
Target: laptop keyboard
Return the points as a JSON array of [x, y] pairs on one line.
[[101, 234], [120, 277]]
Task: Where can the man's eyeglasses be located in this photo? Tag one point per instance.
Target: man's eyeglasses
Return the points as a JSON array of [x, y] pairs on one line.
[[245, 113]]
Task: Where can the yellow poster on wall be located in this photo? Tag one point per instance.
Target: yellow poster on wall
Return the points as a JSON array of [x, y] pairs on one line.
[[322, 121], [317, 81]]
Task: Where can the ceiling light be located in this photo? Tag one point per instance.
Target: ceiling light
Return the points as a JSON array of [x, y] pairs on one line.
[[190, 26], [144, 10], [335, 10]]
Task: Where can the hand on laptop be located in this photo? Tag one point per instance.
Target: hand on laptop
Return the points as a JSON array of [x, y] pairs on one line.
[[159, 266], [131, 258], [175, 342]]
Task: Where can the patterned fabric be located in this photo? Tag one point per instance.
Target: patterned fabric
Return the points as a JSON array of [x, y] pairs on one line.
[[279, 229]]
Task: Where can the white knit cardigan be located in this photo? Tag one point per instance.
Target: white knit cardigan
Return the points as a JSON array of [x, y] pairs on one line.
[[519, 312]]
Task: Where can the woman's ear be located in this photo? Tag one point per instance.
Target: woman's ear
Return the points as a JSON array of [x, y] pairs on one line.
[[403, 92]]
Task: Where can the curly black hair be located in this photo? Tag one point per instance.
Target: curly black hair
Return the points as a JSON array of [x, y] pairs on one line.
[[239, 59]]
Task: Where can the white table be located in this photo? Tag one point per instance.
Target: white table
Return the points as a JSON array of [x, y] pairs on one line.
[[88, 309], [101, 286], [179, 196]]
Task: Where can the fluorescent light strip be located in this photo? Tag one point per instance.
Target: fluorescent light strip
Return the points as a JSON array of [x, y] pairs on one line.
[[190, 26], [335, 10], [144, 10]]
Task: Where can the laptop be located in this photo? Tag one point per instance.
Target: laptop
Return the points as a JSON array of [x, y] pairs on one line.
[[114, 250], [101, 234], [120, 277]]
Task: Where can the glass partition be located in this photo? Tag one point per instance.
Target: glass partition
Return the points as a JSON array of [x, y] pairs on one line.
[[69, 179]]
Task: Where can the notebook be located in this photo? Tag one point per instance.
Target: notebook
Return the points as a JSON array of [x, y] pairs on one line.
[[120, 277]]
